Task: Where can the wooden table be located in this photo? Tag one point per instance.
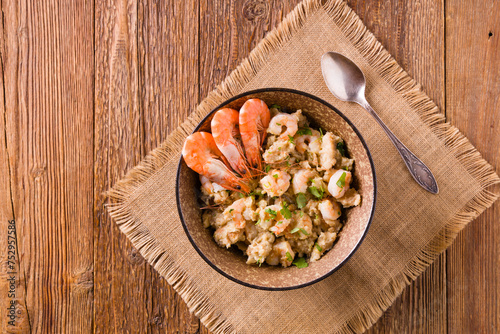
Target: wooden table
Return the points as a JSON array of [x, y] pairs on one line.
[[89, 87]]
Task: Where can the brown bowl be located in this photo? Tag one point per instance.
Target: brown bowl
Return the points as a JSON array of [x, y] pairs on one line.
[[231, 262]]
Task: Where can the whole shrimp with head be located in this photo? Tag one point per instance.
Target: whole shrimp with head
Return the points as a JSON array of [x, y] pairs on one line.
[[202, 155], [226, 134], [254, 120]]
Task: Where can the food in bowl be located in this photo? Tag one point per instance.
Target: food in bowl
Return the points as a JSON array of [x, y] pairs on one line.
[[271, 185]]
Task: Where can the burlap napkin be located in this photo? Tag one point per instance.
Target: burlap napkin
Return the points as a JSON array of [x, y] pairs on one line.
[[411, 226]]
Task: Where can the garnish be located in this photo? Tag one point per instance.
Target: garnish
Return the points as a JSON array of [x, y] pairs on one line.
[[317, 192], [231, 210], [341, 148], [300, 262], [295, 230], [277, 106], [258, 222], [301, 214], [304, 131], [258, 261], [285, 212], [290, 139], [241, 195], [267, 168], [345, 168], [320, 134], [318, 247], [341, 181], [301, 200], [275, 176], [270, 211], [280, 222], [278, 124], [289, 256], [303, 231], [339, 213]]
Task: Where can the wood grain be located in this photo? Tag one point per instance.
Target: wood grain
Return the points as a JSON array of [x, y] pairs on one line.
[[90, 87], [47, 60], [473, 105]]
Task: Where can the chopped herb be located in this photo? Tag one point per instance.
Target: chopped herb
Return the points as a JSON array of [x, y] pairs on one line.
[[258, 222], [300, 262], [280, 222], [275, 176], [345, 168], [258, 261], [317, 216], [241, 195], [279, 148], [271, 212], [301, 200], [318, 247], [276, 106], [341, 181], [285, 212], [321, 133], [288, 163], [231, 210], [289, 256], [268, 167], [295, 230], [304, 131], [290, 139], [278, 124], [301, 214], [317, 192], [341, 148], [303, 231], [339, 213]]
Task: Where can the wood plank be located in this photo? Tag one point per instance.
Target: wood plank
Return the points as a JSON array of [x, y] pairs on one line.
[[120, 303], [13, 317], [47, 59], [473, 105], [168, 92]]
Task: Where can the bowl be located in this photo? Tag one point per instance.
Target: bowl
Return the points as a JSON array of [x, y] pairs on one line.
[[231, 262]]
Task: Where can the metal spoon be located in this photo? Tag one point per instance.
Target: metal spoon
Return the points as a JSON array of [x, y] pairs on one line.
[[347, 82]]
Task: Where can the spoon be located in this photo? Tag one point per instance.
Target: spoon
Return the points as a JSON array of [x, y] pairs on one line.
[[347, 82]]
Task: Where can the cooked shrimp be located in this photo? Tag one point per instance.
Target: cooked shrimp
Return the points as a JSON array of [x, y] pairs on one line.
[[276, 183], [301, 180], [212, 189], [339, 183], [226, 135], [235, 211], [310, 142], [283, 120], [202, 155], [327, 153], [254, 120], [330, 210], [281, 221], [281, 253]]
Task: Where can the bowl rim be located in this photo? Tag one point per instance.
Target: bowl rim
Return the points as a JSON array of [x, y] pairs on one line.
[[372, 165]]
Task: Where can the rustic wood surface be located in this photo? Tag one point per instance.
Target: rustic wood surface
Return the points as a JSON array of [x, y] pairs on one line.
[[89, 87]]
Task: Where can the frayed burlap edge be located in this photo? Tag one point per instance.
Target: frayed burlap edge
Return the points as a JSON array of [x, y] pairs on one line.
[[390, 71]]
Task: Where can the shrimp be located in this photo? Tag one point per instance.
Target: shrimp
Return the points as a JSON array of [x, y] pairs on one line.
[[202, 155], [339, 183], [301, 180], [276, 183], [290, 122], [310, 142], [330, 210], [327, 152], [226, 135], [235, 211], [254, 120], [212, 189], [281, 221], [281, 253]]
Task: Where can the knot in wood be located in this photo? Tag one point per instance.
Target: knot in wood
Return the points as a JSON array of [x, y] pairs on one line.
[[253, 9]]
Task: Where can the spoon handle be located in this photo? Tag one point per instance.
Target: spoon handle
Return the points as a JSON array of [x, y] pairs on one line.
[[420, 172]]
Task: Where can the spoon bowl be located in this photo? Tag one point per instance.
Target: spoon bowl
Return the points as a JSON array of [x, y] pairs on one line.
[[347, 82]]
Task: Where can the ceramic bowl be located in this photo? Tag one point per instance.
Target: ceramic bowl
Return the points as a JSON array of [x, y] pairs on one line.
[[231, 262]]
